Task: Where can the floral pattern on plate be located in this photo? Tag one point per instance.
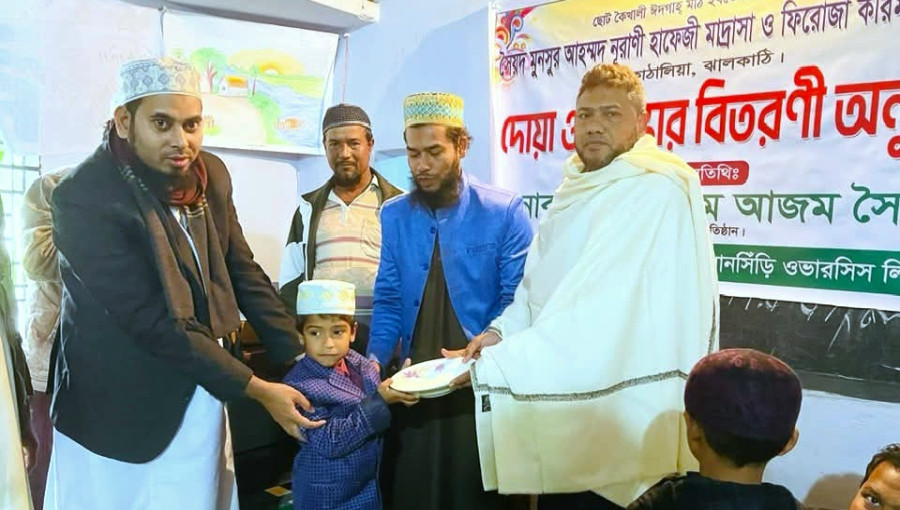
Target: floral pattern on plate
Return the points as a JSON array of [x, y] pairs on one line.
[[430, 376]]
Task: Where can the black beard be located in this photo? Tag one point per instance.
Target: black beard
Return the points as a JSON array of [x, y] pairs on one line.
[[447, 194], [158, 182]]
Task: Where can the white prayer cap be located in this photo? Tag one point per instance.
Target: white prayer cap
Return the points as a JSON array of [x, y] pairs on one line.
[[326, 297], [149, 77]]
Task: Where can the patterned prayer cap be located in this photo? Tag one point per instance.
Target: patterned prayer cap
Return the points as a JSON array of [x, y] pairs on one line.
[[345, 115], [433, 108], [326, 297], [744, 393], [149, 77]]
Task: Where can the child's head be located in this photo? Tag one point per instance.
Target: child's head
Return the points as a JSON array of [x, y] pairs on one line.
[[325, 309], [741, 406]]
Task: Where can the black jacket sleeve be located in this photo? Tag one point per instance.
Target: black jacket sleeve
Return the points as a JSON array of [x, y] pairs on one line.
[[256, 296]]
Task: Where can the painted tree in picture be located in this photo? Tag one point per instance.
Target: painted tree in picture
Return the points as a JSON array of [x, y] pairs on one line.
[[213, 63], [254, 72]]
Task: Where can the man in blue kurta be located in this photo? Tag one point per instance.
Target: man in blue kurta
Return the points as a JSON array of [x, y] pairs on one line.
[[452, 255]]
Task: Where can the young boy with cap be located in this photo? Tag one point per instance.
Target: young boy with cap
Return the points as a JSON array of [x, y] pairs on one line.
[[337, 465], [741, 409]]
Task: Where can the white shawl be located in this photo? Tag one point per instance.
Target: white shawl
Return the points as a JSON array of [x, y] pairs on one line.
[[617, 303]]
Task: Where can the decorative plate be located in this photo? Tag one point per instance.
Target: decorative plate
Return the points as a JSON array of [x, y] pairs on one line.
[[430, 379]]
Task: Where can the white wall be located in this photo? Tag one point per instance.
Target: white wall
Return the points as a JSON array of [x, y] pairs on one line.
[[265, 196], [417, 47], [838, 436]]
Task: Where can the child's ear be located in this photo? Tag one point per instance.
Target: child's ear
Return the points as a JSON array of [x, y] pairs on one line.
[[694, 432], [792, 442], [696, 438], [353, 329]]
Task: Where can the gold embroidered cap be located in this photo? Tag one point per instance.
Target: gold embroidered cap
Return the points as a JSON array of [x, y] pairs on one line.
[[433, 108]]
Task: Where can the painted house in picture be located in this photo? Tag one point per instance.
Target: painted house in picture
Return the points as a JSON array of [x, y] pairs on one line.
[[289, 123], [234, 86]]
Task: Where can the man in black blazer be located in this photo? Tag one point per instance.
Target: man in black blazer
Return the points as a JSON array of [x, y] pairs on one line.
[[155, 269]]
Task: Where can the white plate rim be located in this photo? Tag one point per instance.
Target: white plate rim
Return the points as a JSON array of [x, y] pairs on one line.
[[432, 389]]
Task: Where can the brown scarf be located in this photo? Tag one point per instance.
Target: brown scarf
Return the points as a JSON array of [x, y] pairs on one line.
[[214, 305]]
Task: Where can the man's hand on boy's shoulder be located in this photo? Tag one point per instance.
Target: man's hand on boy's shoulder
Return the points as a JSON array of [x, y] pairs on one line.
[[392, 396]]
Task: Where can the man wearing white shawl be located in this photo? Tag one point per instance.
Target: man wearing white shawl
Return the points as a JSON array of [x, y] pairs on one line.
[[578, 388]]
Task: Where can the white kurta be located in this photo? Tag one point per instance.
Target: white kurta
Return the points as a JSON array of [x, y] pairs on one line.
[[195, 471], [617, 303], [13, 480]]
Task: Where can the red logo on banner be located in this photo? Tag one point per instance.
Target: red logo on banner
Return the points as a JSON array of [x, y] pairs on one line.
[[722, 173]]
